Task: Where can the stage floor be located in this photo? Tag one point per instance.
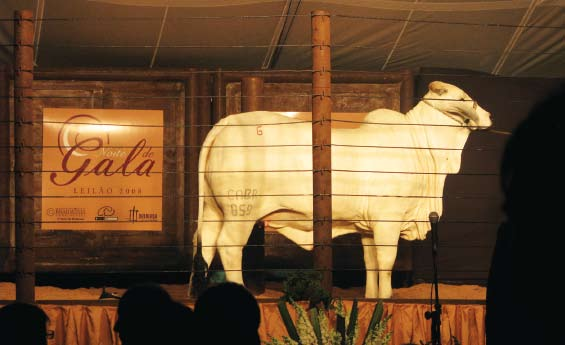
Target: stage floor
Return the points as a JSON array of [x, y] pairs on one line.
[[273, 291]]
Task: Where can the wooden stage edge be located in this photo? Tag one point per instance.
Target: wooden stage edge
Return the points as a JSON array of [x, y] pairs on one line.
[[188, 301], [85, 322]]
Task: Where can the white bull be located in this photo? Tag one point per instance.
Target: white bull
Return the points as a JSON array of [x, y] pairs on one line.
[[251, 172]]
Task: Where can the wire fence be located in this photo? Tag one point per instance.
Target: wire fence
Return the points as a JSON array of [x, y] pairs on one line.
[[171, 199]]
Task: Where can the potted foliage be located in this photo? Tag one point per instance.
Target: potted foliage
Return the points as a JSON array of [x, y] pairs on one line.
[[313, 326]]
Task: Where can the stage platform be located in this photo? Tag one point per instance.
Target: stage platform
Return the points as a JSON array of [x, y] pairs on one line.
[[79, 318]]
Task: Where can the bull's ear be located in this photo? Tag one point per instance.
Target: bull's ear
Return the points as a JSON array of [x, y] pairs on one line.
[[437, 87]]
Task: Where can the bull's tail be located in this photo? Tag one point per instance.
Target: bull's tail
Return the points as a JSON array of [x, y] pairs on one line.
[[198, 279]]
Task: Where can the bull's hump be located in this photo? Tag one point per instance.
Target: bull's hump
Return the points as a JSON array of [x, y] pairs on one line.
[[385, 116], [260, 117]]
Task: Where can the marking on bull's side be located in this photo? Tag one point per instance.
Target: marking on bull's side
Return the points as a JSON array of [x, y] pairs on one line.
[[240, 210], [241, 206], [242, 194]]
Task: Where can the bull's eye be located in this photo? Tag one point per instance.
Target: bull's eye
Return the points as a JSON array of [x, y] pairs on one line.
[[467, 121]]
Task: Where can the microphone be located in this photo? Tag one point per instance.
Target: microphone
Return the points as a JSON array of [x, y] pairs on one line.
[[434, 219]]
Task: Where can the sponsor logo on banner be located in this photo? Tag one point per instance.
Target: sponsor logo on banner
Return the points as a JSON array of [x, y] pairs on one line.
[[98, 164]]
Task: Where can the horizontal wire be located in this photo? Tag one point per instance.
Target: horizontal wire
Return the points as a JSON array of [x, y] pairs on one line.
[[274, 96], [161, 147], [435, 51], [458, 74], [238, 125], [109, 18], [398, 124], [449, 74], [276, 269], [413, 244], [412, 173], [35, 123], [268, 72], [165, 196], [168, 196], [473, 148], [338, 269], [131, 172], [187, 221], [101, 96], [161, 126], [456, 221], [246, 17], [250, 46], [262, 46], [459, 23], [192, 71], [17, 122], [177, 46]]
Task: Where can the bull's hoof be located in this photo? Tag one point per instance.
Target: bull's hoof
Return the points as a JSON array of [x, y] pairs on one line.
[[217, 277], [198, 283], [198, 279]]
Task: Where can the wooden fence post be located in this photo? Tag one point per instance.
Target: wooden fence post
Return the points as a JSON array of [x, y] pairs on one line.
[[251, 94], [25, 142], [5, 167], [321, 145]]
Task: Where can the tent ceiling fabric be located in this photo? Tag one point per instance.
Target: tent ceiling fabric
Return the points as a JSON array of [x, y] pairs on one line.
[[524, 38], [379, 4]]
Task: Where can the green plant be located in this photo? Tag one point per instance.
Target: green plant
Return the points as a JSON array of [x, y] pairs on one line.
[[313, 325], [305, 286]]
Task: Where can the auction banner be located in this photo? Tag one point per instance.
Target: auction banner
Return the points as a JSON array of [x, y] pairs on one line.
[[102, 169]]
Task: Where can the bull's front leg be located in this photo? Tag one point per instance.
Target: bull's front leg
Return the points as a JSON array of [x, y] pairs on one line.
[[233, 237], [386, 246], [371, 269]]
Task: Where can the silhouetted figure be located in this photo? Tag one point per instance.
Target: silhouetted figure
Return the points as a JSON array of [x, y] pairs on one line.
[[147, 315], [23, 324], [181, 325], [227, 314], [522, 294]]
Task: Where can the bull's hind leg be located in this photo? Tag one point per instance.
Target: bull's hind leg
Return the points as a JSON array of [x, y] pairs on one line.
[[386, 241], [371, 268], [233, 237], [210, 226]]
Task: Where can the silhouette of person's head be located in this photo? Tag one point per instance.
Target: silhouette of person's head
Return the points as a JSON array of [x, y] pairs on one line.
[[228, 314], [528, 245], [181, 325], [142, 315], [23, 324]]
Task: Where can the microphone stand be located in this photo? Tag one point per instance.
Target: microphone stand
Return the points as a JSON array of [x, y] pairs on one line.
[[436, 314]]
